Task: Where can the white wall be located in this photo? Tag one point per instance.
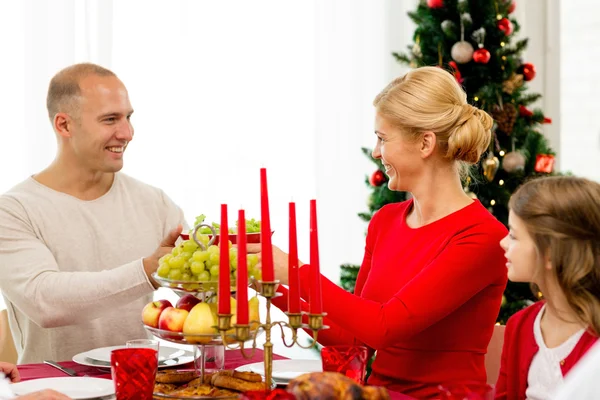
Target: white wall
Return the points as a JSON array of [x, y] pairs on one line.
[[579, 85]]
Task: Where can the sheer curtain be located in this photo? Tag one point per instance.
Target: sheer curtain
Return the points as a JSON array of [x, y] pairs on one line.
[[219, 90]]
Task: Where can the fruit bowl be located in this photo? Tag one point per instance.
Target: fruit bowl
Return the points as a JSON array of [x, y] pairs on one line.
[[195, 339], [195, 286]]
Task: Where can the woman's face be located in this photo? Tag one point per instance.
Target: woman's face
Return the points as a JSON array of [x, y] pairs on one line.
[[400, 157], [520, 252]]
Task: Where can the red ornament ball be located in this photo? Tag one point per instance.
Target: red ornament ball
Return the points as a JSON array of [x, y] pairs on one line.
[[435, 3], [481, 56], [505, 26], [377, 179], [512, 6], [527, 70]]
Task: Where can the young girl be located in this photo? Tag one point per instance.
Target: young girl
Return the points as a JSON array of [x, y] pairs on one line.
[[554, 243]]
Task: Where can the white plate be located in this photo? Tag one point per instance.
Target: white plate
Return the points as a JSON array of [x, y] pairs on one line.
[[186, 357], [285, 370], [74, 387], [103, 353]]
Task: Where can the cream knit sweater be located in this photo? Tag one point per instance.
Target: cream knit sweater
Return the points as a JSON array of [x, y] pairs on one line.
[[71, 270]]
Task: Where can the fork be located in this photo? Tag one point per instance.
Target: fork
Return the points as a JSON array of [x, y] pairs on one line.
[[67, 371]]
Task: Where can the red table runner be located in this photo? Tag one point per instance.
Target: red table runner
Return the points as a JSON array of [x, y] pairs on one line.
[[233, 359]]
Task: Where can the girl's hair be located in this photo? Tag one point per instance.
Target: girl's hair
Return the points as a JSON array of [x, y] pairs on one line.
[[562, 215], [428, 99]]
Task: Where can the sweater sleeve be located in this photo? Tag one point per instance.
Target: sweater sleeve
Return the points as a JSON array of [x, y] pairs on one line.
[[31, 279], [333, 335], [430, 296]]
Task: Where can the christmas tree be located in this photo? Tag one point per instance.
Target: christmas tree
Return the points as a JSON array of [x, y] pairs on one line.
[[473, 39]]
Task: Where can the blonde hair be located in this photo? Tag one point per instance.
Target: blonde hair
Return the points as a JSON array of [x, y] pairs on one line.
[[562, 215], [428, 99], [64, 90]]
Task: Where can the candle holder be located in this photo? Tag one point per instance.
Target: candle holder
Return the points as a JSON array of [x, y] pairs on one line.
[[243, 333]]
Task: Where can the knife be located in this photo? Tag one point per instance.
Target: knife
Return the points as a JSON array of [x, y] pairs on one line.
[[67, 371]]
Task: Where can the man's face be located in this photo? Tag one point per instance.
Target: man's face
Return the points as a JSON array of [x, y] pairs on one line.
[[102, 128]]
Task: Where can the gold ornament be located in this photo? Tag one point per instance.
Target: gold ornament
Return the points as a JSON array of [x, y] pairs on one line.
[[490, 166], [511, 84]]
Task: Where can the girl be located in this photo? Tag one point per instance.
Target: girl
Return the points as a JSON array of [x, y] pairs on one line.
[[554, 244]]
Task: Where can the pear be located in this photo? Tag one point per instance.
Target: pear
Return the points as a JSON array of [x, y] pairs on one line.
[[254, 314], [200, 321]]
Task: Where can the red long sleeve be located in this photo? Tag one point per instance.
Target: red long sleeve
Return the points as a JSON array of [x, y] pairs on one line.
[[426, 299], [333, 335]]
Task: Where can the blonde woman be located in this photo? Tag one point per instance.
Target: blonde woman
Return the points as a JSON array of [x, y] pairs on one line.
[[431, 282], [554, 243]]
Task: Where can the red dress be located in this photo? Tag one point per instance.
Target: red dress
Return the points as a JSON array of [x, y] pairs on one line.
[[426, 299]]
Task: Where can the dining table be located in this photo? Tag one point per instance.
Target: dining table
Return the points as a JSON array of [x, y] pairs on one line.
[[233, 360]]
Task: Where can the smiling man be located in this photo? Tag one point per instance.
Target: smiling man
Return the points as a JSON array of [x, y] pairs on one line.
[[80, 240]]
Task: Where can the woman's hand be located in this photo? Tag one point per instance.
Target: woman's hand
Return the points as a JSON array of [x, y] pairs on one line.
[[280, 261], [47, 394], [11, 371]]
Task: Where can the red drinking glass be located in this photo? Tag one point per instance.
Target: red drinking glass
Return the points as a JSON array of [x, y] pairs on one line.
[[347, 360], [133, 372], [466, 391]]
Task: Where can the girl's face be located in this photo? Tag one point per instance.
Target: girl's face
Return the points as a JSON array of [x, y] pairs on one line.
[[522, 257]]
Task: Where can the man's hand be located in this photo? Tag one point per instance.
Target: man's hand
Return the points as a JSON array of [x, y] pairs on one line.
[[280, 261], [165, 247]]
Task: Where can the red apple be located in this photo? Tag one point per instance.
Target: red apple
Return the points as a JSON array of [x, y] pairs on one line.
[[172, 319], [187, 302], [152, 311]]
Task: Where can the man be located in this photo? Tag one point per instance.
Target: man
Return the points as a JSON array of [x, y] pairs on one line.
[[80, 240]]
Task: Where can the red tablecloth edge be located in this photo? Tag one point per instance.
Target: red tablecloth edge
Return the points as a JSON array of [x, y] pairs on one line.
[[233, 359]]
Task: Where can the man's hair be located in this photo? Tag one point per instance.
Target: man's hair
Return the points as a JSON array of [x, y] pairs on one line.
[[64, 90]]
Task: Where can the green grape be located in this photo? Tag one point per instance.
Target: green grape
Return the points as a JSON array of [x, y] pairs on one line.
[[204, 239], [200, 255], [214, 258], [177, 262], [254, 272], [213, 249], [233, 261], [186, 277], [252, 260], [163, 270], [204, 276], [165, 258], [214, 270], [189, 246], [208, 263], [197, 267], [186, 267], [186, 255], [175, 274], [175, 252]]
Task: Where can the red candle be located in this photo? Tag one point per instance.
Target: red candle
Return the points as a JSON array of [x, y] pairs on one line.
[[224, 279], [316, 306], [293, 272], [242, 271], [268, 273]]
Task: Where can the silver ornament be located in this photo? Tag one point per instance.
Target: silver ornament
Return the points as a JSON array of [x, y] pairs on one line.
[[448, 27], [513, 162], [462, 52]]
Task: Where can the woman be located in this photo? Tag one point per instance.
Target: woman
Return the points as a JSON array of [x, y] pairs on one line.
[[431, 282], [553, 244]]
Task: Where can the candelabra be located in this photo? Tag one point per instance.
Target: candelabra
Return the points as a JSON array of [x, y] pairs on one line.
[[245, 332]]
